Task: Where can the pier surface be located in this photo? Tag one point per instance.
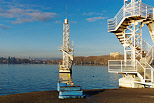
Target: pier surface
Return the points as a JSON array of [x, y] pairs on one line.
[[122, 95]]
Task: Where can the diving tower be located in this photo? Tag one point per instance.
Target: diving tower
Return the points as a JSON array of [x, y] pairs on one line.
[[138, 54], [65, 85], [67, 48]]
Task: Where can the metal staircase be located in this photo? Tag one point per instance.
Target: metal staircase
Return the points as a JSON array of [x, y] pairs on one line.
[[127, 26]]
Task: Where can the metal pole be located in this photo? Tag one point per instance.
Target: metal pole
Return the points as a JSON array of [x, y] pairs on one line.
[[151, 75], [108, 66], [144, 74], [134, 43], [121, 65], [124, 8], [140, 9], [146, 12], [141, 41]]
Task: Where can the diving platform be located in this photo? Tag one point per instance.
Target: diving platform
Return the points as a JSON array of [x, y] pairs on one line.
[[65, 85], [138, 54]]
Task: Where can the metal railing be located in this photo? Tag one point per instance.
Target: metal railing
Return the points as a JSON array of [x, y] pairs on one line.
[[145, 46], [119, 66], [71, 46], [150, 55], [130, 10], [146, 72], [60, 47]]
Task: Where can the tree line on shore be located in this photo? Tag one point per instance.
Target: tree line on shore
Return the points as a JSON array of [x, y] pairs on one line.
[[80, 60]]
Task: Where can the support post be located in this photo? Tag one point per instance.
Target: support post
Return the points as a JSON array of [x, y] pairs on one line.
[[146, 12], [134, 26], [121, 65]]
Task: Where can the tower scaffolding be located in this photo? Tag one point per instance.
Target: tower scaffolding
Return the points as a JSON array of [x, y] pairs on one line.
[[67, 49], [65, 85], [138, 54]]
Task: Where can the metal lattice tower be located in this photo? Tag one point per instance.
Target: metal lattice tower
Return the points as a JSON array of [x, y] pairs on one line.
[[67, 49]]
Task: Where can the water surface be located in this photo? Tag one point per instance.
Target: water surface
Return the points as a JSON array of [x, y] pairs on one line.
[[24, 78]]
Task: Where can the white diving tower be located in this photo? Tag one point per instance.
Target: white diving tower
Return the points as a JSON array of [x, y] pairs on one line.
[[67, 49], [65, 85], [138, 54]]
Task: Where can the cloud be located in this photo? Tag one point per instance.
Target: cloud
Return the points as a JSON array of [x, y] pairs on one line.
[[42, 16], [21, 20], [58, 22], [92, 13], [4, 27], [95, 18], [20, 13]]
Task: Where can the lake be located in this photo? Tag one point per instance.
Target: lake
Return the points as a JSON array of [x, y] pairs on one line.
[[24, 78]]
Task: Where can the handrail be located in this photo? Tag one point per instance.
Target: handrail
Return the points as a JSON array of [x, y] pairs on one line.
[[150, 53], [141, 9], [145, 46], [119, 66], [152, 70]]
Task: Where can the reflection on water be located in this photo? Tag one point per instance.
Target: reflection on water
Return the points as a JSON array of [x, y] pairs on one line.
[[65, 78], [16, 79]]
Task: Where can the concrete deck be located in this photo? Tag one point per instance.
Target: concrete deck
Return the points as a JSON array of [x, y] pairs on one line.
[[122, 95]]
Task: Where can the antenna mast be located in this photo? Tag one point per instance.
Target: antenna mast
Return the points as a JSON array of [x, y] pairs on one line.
[[66, 10]]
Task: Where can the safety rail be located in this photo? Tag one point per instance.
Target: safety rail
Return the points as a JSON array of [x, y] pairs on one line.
[[145, 46], [60, 47], [130, 10], [71, 46], [150, 55], [146, 72], [119, 66]]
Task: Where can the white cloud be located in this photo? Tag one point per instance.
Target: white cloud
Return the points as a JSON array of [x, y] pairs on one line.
[[21, 13], [21, 20], [92, 13], [95, 18], [42, 16], [58, 22]]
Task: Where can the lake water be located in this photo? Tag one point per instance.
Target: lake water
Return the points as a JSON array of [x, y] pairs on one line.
[[20, 78]]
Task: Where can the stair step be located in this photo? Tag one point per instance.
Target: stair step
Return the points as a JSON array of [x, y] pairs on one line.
[[71, 93], [120, 37], [66, 96]]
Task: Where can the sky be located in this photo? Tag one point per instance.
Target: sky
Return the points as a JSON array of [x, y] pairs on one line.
[[34, 28]]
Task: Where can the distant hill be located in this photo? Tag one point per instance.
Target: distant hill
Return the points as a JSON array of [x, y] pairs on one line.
[[47, 58], [91, 60]]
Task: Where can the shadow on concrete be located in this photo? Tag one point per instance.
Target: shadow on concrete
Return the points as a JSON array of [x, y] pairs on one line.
[[89, 93]]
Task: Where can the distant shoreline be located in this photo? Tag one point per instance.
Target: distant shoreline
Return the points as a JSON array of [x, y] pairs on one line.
[[54, 64]]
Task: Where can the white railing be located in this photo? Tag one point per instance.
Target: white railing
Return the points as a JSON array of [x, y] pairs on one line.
[[117, 66], [136, 9], [60, 47], [71, 46], [150, 55], [145, 46], [113, 22], [146, 72]]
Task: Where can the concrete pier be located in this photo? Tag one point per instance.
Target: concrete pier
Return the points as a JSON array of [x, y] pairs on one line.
[[122, 95]]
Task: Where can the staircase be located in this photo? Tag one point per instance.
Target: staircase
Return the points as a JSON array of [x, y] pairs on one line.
[[144, 14]]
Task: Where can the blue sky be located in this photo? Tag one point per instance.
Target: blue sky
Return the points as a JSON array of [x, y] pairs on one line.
[[34, 27]]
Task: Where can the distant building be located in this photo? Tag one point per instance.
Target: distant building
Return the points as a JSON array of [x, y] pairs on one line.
[[115, 55]]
